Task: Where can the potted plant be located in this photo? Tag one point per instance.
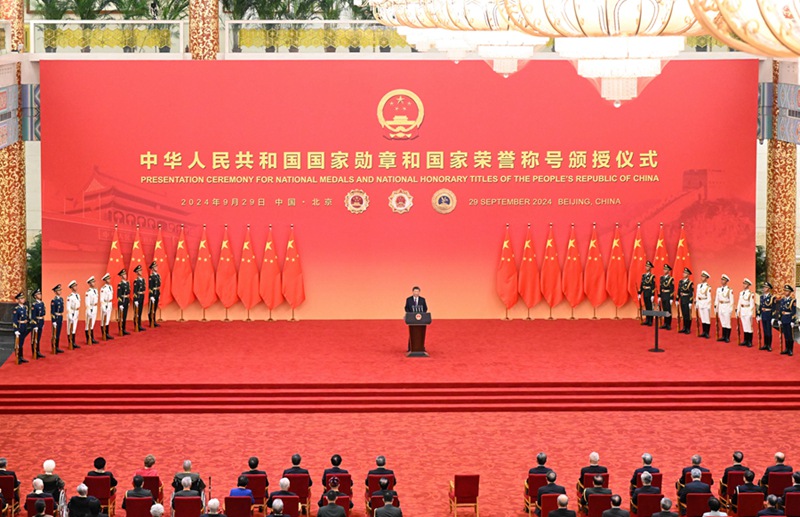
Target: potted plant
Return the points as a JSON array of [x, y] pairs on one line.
[[131, 10], [268, 10], [238, 10], [329, 10], [360, 11], [51, 10], [88, 10], [297, 10], [168, 10]]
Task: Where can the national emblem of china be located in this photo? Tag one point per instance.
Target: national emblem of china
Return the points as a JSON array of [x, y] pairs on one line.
[[400, 113], [444, 201], [401, 201], [356, 201]]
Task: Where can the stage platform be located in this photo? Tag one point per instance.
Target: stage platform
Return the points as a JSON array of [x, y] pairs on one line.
[[360, 366]]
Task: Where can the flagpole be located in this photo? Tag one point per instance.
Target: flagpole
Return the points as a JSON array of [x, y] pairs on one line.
[[551, 313], [594, 313], [616, 312], [506, 318], [181, 320], [159, 314], [529, 314], [292, 315], [204, 315], [270, 316], [572, 313], [226, 314], [248, 315]]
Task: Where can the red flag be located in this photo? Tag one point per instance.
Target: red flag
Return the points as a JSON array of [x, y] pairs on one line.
[[551, 272], [115, 259], [204, 274], [293, 288], [270, 280], [682, 257], [248, 274], [226, 273], [660, 257], [616, 275], [572, 279], [638, 267], [529, 288], [160, 256], [182, 274], [594, 276], [507, 273]]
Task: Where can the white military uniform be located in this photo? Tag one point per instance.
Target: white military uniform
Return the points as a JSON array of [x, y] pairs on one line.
[[723, 304], [73, 312], [703, 302], [746, 308], [106, 304], [91, 308]]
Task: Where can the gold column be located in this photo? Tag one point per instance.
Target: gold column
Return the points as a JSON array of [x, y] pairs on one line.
[[12, 181], [781, 200], [204, 29]]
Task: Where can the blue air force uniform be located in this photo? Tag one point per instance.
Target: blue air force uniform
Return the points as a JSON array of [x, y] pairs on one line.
[[37, 323], [138, 298], [20, 320], [57, 317], [788, 318], [766, 313], [154, 286]]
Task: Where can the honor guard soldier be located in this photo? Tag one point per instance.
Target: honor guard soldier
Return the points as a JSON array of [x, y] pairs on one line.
[[647, 290], [766, 311], [20, 320], [123, 301], [788, 319], [745, 308], [91, 311], [723, 305], [106, 306], [37, 324], [154, 286], [703, 304], [73, 313], [138, 298], [57, 317], [666, 294], [685, 295]]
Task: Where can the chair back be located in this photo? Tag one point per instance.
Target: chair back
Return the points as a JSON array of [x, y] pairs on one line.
[[549, 503], [153, 483], [376, 501], [187, 506], [373, 482], [466, 488], [697, 504], [8, 489], [257, 483], [298, 484], [344, 502], [648, 504], [535, 482], [748, 504], [99, 487], [705, 477], [791, 504], [237, 506], [735, 478], [291, 505], [345, 484], [49, 505], [588, 480], [778, 482], [598, 503], [138, 506], [658, 479]]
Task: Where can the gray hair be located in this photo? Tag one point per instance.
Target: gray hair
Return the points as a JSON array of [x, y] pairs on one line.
[[697, 460], [594, 457], [157, 510], [186, 482], [82, 489], [213, 505], [562, 501], [38, 484], [49, 466], [187, 465], [284, 483], [666, 504], [647, 458], [779, 457], [3, 463], [647, 478], [277, 506], [696, 474]]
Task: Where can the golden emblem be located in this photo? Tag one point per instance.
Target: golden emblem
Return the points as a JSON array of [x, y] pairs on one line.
[[444, 201], [401, 201], [356, 201], [400, 113]]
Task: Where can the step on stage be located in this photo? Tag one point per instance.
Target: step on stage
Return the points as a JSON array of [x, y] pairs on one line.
[[361, 367]]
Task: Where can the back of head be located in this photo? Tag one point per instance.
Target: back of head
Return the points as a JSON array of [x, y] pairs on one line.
[[333, 483], [336, 460], [38, 484], [277, 506], [40, 506], [696, 474], [82, 490], [49, 466], [551, 476], [284, 484], [388, 497], [594, 458], [380, 461], [796, 478], [647, 458], [383, 483], [3, 463], [541, 459], [779, 457], [242, 481], [94, 506], [186, 483], [138, 481], [772, 500], [696, 459], [100, 463], [296, 459], [157, 510], [149, 461], [616, 501], [666, 504], [187, 465], [331, 495], [597, 481], [252, 463], [713, 504], [647, 478], [749, 476], [213, 505], [738, 456], [562, 501]]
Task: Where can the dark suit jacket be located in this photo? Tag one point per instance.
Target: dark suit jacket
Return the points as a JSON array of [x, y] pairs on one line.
[[616, 512], [381, 471], [138, 492], [695, 487], [770, 511], [298, 470], [12, 474], [592, 469], [420, 303], [774, 468], [47, 495], [185, 493], [562, 512], [197, 484], [52, 484], [638, 472], [388, 511], [687, 470], [789, 490], [256, 471], [324, 499], [381, 493], [277, 495], [331, 510], [539, 469], [648, 489], [732, 468], [80, 506], [106, 473], [748, 488], [665, 514], [549, 488], [332, 472], [593, 491]]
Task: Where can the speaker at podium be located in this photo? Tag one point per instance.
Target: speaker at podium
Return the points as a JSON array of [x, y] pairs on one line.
[[417, 318]]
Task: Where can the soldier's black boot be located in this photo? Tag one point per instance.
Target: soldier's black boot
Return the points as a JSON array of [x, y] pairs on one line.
[[124, 332], [21, 360], [74, 344], [108, 334], [749, 339], [706, 330], [768, 343], [35, 352], [727, 335], [87, 337], [94, 341]]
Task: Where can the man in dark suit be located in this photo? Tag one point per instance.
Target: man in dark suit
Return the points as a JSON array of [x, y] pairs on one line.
[[646, 488], [694, 487], [283, 483], [737, 466], [38, 491], [549, 488], [331, 509], [138, 491], [384, 491], [666, 506], [540, 468], [100, 470], [212, 509], [594, 467], [793, 488], [615, 510], [186, 490], [595, 489], [748, 487], [335, 469], [253, 464], [5, 472], [197, 483], [388, 510], [772, 507], [333, 482], [562, 511], [381, 470], [40, 506], [778, 467], [296, 469], [415, 302], [79, 505], [647, 466], [696, 464]]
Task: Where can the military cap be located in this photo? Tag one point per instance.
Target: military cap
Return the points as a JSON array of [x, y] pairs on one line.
[[649, 264], [57, 287], [19, 296], [72, 282], [122, 272], [153, 264], [705, 274], [106, 276], [667, 267], [747, 281], [726, 277], [137, 269], [37, 291], [90, 280], [687, 271], [789, 288], [767, 284]]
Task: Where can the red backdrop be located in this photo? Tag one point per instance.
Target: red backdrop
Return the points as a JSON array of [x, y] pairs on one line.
[[101, 120]]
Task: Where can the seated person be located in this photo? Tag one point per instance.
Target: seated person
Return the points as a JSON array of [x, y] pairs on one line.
[[779, 466], [694, 487], [647, 466], [52, 482], [646, 488], [596, 488], [186, 490], [615, 510], [593, 468], [381, 470], [96, 509], [388, 509], [540, 468], [384, 484], [41, 508], [333, 483], [277, 508], [78, 505], [157, 510], [212, 509], [794, 488], [297, 469], [197, 483], [713, 507], [562, 511], [253, 464], [696, 464], [38, 490], [149, 469], [738, 457], [331, 509], [241, 489], [748, 486], [138, 491], [772, 507], [336, 461], [5, 472], [666, 506], [100, 470], [283, 484], [550, 488]]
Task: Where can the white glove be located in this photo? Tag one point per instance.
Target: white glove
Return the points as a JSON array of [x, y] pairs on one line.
[[772, 322], [136, 304], [120, 306], [55, 325], [16, 333], [652, 299], [638, 296], [792, 324], [152, 299]]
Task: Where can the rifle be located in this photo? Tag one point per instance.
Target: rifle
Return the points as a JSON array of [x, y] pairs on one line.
[[716, 326], [53, 338], [739, 328], [757, 321], [697, 312], [677, 310], [640, 307], [119, 319], [16, 349], [35, 342], [780, 329]]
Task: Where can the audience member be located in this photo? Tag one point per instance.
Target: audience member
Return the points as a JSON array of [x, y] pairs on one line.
[[38, 490], [694, 487], [157, 510], [388, 509], [615, 510], [666, 507], [212, 509], [794, 488], [595, 489], [333, 482], [697, 461], [186, 490], [78, 505], [331, 509], [138, 490], [594, 467], [772, 507], [41, 508], [384, 490], [737, 466], [297, 469], [100, 470], [779, 466], [646, 488], [5, 472], [647, 466], [540, 467], [713, 507], [562, 511], [241, 489], [52, 482], [253, 464], [197, 483], [550, 488], [96, 509], [277, 508], [748, 486], [148, 469], [381, 470], [283, 484], [335, 469]]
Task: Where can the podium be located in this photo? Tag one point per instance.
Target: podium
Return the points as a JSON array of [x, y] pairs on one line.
[[656, 315], [417, 325]]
